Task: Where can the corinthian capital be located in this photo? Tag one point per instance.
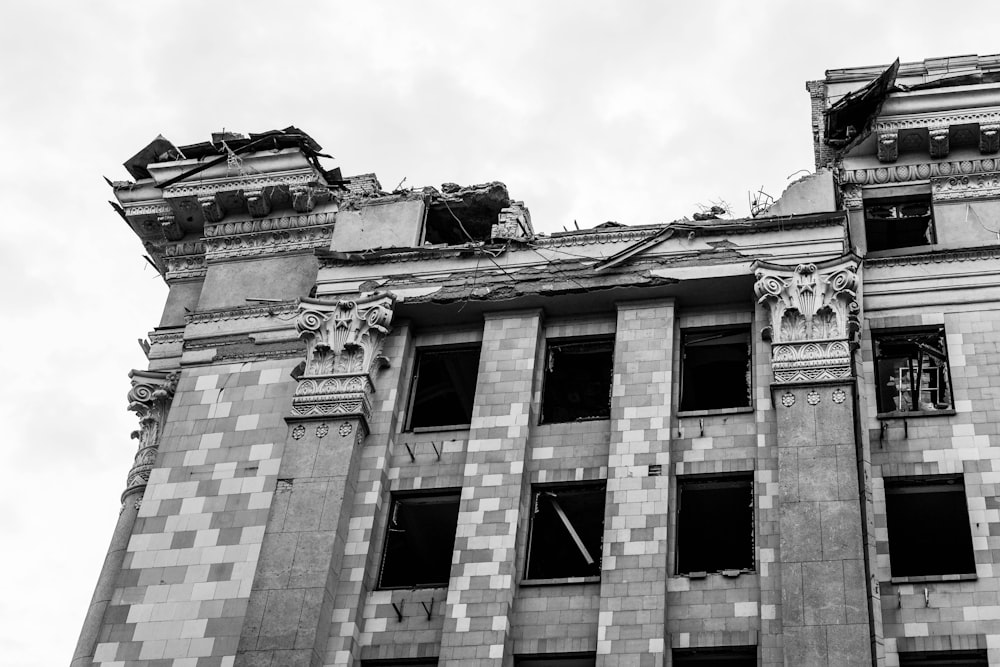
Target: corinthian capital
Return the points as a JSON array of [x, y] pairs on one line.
[[343, 348], [149, 398], [345, 336], [813, 314]]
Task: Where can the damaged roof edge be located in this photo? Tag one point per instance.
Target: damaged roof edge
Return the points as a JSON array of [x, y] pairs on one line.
[[161, 149], [849, 120]]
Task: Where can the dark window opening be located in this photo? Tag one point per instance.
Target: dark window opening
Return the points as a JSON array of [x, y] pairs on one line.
[[928, 522], [567, 530], [403, 662], [729, 656], [465, 214], [899, 223], [419, 541], [970, 658], [577, 380], [444, 387], [715, 524], [912, 370], [715, 369], [563, 660]]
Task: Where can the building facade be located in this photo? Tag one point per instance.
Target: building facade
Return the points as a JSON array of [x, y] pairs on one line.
[[403, 428]]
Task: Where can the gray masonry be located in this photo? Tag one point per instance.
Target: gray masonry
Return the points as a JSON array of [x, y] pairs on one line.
[[384, 429]]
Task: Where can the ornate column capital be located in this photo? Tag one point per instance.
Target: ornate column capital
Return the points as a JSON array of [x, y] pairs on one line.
[[343, 350], [149, 398], [813, 313]]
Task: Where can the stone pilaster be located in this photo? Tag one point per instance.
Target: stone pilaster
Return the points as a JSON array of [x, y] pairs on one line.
[[634, 565], [291, 601], [826, 614], [481, 588], [150, 399]]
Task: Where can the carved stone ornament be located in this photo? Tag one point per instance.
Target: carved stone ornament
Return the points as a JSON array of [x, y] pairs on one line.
[[813, 316], [149, 398], [343, 349], [989, 138], [938, 141], [888, 146], [852, 196]]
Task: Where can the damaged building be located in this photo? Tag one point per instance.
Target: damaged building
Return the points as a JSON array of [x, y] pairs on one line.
[[403, 428]]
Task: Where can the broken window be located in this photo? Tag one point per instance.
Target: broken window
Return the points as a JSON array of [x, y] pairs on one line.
[[567, 529], [444, 386], [912, 371], [928, 524], [563, 660], [715, 368], [900, 222], [577, 380], [969, 658], [715, 524], [729, 656], [419, 540]]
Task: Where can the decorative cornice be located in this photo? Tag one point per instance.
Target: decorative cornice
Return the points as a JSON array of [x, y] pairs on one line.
[[163, 337], [343, 350], [155, 207], [150, 398], [184, 260], [272, 224], [987, 115], [242, 313], [269, 235], [976, 186], [813, 314], [595, 237], [268, 243], [923, 171], [248, 183], [935, 257]]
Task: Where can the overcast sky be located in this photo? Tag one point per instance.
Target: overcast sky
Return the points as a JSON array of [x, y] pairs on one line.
[[629, 111]]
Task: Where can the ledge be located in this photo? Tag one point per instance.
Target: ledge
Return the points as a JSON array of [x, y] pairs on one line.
[[710, 413], [727, 574], [940, 578], [561, 581], [581, 420], [434, 429], [418, 587], [914, 414]]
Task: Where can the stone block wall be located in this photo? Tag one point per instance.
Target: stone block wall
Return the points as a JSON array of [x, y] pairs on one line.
[[935, 613], [182, 593]]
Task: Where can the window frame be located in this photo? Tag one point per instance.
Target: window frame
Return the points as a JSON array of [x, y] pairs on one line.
[[722, 481], [901, 534], [718, 331], [418, 356], [896, 202], [534, 499], [564, 342], [967, 657], [400, 498], [940, 373], [714, 655]]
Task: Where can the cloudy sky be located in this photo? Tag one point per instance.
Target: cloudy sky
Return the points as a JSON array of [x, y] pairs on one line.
[[590, 111]]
